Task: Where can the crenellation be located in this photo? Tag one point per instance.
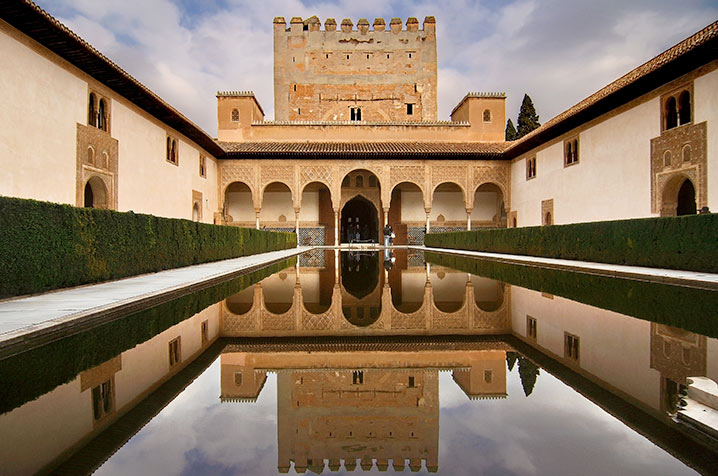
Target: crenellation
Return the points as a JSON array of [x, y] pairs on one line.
[[360, 74]]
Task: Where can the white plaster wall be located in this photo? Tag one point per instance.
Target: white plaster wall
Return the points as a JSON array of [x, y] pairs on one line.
[[309, 211], [613, 347], [240, 206], [611, 180], [275, 204], [705, 108], [449, 204], [485, 206], [36, 433], [412, 207], [40, 105], [148, 363], [148, 183]]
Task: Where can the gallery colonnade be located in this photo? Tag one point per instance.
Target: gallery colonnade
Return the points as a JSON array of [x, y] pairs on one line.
[[332, 202]]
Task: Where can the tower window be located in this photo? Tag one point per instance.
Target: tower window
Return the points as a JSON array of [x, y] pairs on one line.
[[487, 115], [355, 114], [409, 109], [671, 113], [295, 87], [367, 56], [347, 56], [409, 55], [684, 107], [387, 56], [91, 112], [358, 377], [235, 115], [102, 116]]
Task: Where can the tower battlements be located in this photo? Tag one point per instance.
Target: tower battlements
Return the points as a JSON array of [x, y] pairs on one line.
[[362, 72], [313, 24]]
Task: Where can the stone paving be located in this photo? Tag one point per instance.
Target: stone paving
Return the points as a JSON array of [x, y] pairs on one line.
[[51, 312]]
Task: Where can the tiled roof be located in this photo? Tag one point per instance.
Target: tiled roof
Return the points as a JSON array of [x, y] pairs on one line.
[[484, 150], [42, 27], [687, 55]]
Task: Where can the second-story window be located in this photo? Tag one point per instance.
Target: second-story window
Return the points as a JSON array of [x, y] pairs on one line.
[[530, 168], [92, 111], [570, 152], [202, 166], [355, 114], [235, 115], [172, 150], [409, 109]]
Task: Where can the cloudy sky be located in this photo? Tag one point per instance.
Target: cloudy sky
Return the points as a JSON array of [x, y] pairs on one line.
[[557, 51]]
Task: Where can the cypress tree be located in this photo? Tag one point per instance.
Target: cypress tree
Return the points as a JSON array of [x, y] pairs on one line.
[[510, 131], [528, 371], [511, 358], [528, 119]]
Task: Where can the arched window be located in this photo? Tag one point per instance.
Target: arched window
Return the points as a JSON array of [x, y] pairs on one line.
[[575, 150], [569, 153], [90, 156], [686, 153], [487, 115], [360, 181], [91, 113], [235, 115], [101, 116], [671, 113], [169, 149], [173, 153], [667, 158], [684, 107]]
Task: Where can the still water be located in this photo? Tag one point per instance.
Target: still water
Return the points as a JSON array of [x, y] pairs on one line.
[[341, 363]]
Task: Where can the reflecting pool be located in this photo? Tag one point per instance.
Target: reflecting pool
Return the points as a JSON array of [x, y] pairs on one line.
[[343, 362]]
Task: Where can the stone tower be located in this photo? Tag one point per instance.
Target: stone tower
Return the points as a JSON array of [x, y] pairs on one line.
[[360, 74]]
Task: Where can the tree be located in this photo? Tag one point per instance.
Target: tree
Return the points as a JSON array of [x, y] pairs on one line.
[[528, 119], [511, 133], [511, 358], [528, 371]]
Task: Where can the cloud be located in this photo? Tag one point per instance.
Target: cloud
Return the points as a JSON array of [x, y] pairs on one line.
[[557, 51]]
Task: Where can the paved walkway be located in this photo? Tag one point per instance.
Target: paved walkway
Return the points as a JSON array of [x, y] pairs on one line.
[[34, 320], [694, 279]]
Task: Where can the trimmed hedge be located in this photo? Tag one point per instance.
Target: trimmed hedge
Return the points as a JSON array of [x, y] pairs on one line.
[[46, 246], [688, 308], [686, 242], [31, 374]]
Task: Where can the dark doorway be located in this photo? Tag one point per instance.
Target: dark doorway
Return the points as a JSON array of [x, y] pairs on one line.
[[89, 196], [686, 199], [360, 221]]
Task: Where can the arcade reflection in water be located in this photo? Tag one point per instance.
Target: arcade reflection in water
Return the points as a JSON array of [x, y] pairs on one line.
[[368, 295]]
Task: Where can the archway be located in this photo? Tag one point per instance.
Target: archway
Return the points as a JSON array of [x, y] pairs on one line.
[[241, 302], [238, 205], [488, 207], [488, 293], [679, 197], [277, 207], [359, 221], [686, 199], [406, 213], [316, 216], [448, 208], [448, 288], [95, 193]]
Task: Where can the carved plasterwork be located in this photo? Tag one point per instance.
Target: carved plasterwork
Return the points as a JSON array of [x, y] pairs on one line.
[[234, 172], [277, 173], [407, 173], [449, 173], [668, 164], [316, 173]]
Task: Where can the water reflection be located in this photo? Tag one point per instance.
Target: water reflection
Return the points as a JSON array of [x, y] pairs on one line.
[[411, 297], [365, 389]]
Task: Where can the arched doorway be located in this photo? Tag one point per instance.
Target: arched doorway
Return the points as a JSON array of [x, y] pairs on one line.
[[686, 199], [406, 213], [488, 207], [95, 193], [678, 197], [359, 221], [277, 211], [238, 205], [316, 216], [448, 208]]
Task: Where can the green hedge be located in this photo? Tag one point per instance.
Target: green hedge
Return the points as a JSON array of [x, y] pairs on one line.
[[28, 375], [688, 308], [46, 246], [686, 242]]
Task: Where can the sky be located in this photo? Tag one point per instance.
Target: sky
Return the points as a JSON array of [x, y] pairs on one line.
[[557, 51]]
